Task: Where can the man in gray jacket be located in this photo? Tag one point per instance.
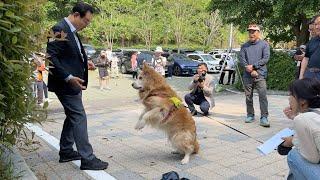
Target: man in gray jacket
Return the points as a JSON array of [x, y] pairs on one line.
[[254, 56], [202, 91]]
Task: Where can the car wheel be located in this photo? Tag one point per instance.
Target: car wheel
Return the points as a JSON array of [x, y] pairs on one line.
[[176, 70], [123, 69]]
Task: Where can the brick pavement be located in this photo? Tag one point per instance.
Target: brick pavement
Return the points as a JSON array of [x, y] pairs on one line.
[[224, 154]]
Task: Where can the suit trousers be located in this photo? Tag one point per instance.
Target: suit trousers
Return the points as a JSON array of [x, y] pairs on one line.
[[75, 126]]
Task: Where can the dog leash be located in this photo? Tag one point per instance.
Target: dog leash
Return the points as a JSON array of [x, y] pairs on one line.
[[237, 130]]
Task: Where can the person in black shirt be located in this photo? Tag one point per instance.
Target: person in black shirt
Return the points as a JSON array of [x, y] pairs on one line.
[[310, 66]]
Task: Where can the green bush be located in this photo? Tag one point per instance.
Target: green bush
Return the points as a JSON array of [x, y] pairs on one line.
[[19, 36], [281, 72]]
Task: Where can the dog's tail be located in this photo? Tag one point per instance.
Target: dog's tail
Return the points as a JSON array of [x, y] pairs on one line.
[[196, 147]]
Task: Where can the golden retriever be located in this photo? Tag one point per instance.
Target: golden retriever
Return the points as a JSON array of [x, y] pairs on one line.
[[164, 110]]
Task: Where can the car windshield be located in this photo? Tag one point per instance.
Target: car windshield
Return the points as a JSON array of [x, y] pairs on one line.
[[182, 57], [145, 56], [208, 58]]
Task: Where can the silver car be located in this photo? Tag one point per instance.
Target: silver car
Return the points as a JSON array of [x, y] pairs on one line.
[[214, 65]]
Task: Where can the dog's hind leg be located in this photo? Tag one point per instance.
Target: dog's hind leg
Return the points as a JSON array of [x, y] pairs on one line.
[[184, 142], [186, 158]]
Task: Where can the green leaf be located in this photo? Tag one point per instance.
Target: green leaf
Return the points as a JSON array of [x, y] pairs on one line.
[[15, 29], [9, 13], [14, 39], [2, 115]]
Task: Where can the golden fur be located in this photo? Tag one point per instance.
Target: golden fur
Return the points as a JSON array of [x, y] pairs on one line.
[[160, 112]]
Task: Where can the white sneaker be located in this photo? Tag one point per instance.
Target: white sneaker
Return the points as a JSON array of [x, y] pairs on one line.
[[108, 88]]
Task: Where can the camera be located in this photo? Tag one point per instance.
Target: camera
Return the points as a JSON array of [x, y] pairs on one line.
[[202, 77]]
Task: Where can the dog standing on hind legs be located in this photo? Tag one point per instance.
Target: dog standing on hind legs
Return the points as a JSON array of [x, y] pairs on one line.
[[164, 110]]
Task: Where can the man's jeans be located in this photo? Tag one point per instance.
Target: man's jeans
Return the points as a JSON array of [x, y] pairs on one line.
[[300, 168], [312, 75], [192, 99], [261, 86], [39, 85]]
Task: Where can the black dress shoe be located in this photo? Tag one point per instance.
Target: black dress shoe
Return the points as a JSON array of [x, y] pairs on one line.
[[206, 113], [94, 164], [194, 113], [71, 156]]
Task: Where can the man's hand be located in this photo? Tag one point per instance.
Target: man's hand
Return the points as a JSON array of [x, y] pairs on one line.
[[287, 141], [77, 82], [301, 76], [249, 68], [289, 113], [299, 57], [201, 85], [91, 66], [196, 77]]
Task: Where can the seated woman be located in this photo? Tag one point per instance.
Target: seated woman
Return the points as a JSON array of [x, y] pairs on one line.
[[304, 110]]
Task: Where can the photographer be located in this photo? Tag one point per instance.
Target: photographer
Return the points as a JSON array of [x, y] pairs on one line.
[[202, 91]]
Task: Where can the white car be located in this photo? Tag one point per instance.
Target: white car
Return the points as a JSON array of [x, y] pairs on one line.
[[213, 64]]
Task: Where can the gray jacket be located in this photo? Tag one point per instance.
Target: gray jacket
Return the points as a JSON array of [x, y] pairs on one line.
[[256, 54]]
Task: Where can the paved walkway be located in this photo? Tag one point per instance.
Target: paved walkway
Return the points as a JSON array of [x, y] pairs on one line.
[[224, 153]]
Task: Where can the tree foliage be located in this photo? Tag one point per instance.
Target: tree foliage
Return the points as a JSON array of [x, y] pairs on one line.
[[283, 20], [148, 23]]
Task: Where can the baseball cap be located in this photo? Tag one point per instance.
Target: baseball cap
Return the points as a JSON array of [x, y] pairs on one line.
[[303, 47], [253, 27]]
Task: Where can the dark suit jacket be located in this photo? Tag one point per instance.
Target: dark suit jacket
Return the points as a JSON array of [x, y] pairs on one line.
[[65, 59]]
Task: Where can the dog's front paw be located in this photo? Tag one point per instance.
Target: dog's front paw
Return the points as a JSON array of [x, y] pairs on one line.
[[139, 126], [185, 161]]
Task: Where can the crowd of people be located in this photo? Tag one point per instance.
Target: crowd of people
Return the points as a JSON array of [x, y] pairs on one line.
[[69, 76]]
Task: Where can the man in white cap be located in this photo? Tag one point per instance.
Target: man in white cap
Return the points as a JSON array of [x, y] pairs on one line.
[[159, 62], [298, 57], [254, 56]]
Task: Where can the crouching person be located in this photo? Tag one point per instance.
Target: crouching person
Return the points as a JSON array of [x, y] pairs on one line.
[[304, 110], [202, 91]]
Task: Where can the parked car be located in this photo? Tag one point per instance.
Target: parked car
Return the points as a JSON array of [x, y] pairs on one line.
[[183, 64], [213, 64], [183, 51], [89, 50], [125, 60]]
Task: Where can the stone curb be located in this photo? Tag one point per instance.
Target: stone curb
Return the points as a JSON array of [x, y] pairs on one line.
[[20, 167]]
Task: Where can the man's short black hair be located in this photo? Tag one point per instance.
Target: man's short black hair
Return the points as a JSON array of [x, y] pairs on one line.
[[82, 8], [203, 64], [313, 19]]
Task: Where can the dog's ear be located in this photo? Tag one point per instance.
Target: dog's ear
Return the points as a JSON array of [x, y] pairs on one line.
[[145, 66]]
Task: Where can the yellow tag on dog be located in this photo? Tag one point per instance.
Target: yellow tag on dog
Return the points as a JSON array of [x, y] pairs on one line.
[[177, 103]]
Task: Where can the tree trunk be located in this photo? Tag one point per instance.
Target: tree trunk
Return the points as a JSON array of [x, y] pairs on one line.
[[122, 41], [300, 30]]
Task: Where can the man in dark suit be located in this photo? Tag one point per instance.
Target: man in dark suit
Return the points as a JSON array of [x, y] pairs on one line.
[[68, 77]]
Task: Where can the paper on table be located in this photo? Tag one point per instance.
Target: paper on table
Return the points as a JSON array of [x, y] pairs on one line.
[[272, 143]]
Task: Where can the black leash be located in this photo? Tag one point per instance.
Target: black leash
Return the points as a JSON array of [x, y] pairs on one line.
[[235, 129]]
